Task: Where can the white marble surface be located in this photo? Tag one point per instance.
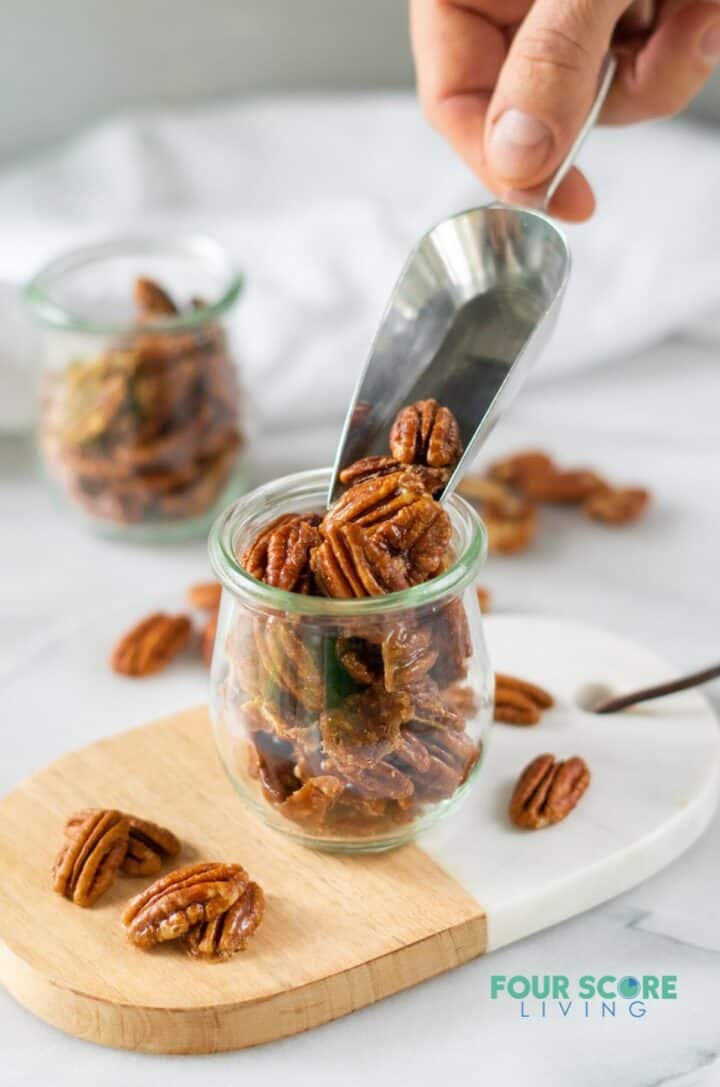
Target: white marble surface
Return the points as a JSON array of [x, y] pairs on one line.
[[652, 419]]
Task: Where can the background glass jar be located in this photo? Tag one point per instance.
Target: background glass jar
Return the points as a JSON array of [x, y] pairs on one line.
[[139, 422], [349, 724]]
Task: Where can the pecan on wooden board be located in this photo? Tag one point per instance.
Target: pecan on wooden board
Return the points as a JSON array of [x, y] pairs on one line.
[[175, 903], [518, 702], [547, 791], [148, 843], [94, 848], [151, 645], [221, 938]]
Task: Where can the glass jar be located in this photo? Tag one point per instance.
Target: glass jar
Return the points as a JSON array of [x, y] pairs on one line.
[[348, 724], [139, 422]]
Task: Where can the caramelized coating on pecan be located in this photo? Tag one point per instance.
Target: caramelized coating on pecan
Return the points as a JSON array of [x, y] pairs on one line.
[[310, 804], [518, 702], [170, 907], [95, 845], [205, 595], [289, 662], [418, 476], [152, 301], [547, 791], [149, 846], [373, 501], [360, 659], [280, 554], [408, 655], [616, 505], [426, 433], [272, 763], [151, 645], [221, 938], [366, 727], [539, 479]]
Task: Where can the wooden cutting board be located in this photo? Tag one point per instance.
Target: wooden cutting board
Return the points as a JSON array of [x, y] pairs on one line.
[[343, 932]]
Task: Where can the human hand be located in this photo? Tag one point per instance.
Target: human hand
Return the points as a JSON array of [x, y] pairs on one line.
[[510, 82]]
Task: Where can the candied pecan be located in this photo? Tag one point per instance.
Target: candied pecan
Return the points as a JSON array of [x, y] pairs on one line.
[[373, 501], [207, 639], [272, 762], [289, 662], [280, 553], [616, 505], [437, 777], [407, 654], [382, 781], [426, 433], [511, 521], [229, 933], [94, 848], [151, 645], [148, 843], [349, 563], [311, 803], [430, 708], [518, 702], [538, 478], [205, 595], [547, 791], [451, 636], [365, 727], [360, 659], [420, 533], [152, 301], [417, 476], [189, 896], [460, 698]]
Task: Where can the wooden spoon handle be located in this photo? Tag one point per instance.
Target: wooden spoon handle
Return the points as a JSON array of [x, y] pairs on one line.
[[612, 705]]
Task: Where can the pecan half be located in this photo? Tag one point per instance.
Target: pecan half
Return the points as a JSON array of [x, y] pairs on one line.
[[148, 844], [152, 301], [547, 791], [360, 659], [538, 478], [289, 662], [511, 521], [350, 563], [518, 702], [365, 727], [426, 433], [220, 939], [94, 849], [205, 595], [272, 763], [151, 645], [418, 476], [280, 554], [311, 803], [408, 654], [171, 906], [616, 505]]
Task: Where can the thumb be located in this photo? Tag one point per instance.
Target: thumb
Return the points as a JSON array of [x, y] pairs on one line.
[[546, 88]]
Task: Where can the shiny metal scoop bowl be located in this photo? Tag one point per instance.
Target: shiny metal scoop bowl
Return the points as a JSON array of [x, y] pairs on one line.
[[473, 308]]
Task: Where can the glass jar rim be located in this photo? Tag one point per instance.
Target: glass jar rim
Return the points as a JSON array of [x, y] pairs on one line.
[[316, 481], [201, 246]]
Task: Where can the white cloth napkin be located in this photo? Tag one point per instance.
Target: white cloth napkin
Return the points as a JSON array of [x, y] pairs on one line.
[[319, 202]]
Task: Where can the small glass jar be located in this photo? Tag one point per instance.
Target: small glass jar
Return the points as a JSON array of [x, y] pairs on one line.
[[139, 422], [348, 724]]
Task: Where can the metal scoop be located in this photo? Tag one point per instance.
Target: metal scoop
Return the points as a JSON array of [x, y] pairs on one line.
[[473, 308]]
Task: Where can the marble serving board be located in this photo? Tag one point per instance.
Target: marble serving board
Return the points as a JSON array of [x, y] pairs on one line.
[[343, 932]]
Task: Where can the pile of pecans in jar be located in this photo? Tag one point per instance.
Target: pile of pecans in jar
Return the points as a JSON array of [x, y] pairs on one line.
[[356, 729], [147, 431]]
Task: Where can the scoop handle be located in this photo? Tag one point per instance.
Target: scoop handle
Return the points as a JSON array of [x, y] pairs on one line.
[[607, 73]]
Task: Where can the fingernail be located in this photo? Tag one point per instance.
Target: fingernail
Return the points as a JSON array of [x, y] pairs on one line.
[[519, 144], [710, 42]]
